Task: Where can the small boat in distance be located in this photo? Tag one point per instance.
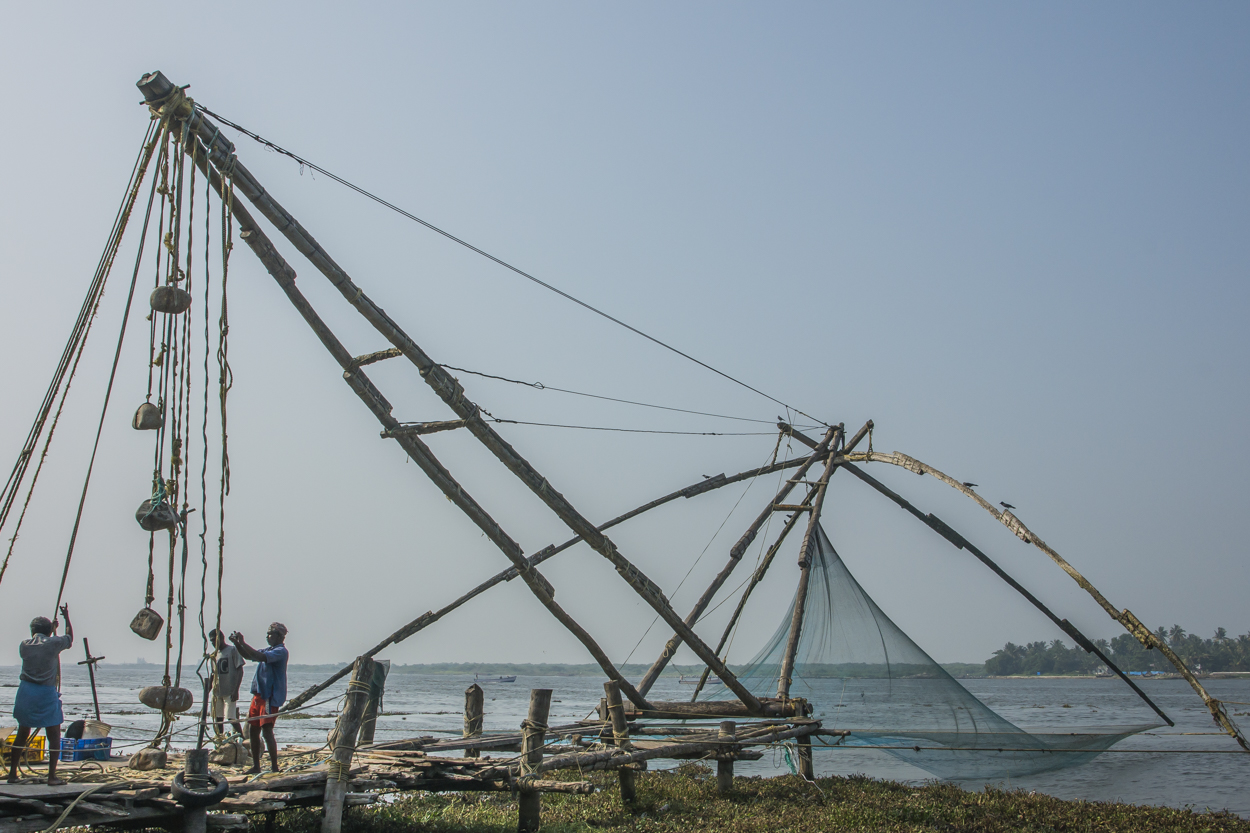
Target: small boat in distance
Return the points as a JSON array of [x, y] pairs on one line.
[[478, 678], [684, 680]]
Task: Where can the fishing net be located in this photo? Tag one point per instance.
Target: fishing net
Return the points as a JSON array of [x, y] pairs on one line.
[[891, 695]]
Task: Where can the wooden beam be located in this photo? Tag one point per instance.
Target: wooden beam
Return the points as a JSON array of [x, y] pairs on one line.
[[343, 741]]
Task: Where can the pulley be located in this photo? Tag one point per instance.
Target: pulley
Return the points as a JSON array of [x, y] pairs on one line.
[[167, 698], [170, 299], [156, 515], [147, 623], [148, 418]]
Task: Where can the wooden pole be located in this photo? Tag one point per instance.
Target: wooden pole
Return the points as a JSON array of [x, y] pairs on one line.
[[724, 763], [805, 574], [735, 557], [344, 742], [195, 776], [430, 617], [533, 730], [416, 450], [221, 151], [474, 716], [90, 662], [620, 739], [368, 724]]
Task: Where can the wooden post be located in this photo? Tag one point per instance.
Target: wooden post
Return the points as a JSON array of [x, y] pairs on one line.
[[806, 767], [474, 716], [195, 776], [724, 763], [344, 742], [377, 687], [620, 738], [533, 731], [805, 574]]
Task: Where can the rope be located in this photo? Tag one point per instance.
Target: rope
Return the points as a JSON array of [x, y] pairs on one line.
[[108, 392], [488, 256], [541, 386]]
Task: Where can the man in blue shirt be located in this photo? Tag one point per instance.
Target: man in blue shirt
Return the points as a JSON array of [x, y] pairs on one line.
[[268, 689]]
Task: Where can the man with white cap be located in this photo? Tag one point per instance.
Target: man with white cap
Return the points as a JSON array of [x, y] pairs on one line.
[[268, 689]]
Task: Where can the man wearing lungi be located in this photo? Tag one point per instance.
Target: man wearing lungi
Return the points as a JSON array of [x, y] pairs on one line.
[[38, 703]]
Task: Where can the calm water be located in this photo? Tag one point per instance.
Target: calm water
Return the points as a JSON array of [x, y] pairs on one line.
[[1150, 768]]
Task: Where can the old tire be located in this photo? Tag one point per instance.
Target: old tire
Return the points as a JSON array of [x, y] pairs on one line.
[[193, 799]]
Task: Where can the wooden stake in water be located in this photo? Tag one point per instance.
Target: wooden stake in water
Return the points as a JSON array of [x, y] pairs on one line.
[[90, 662]]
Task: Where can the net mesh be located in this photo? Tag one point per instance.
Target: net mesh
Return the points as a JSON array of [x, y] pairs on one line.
[[892, 695]]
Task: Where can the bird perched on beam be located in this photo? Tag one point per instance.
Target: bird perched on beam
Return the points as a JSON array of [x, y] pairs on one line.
[[971, 485], [1005, 505]]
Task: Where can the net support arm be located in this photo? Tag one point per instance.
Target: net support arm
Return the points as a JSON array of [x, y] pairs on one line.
[[941, 528], [430, 617], [735, 557], [1125, 617], [805, 572]]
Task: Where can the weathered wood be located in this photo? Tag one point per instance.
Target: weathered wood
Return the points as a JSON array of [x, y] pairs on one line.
[[725, 764], [807, 768], [221, 153], [681, 710], [377, 687], [474, 716], [343, 741], [958, 541], [424, 427], [195, 776], [735, 557], [805, 573], [529, 805], [430, 617], [620, 739], [791, 507], [416, 450]]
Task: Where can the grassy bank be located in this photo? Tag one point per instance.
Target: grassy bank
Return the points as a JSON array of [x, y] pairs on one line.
[[687, 801]]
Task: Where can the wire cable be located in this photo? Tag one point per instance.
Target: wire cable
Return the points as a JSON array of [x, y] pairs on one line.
[[304, 162]]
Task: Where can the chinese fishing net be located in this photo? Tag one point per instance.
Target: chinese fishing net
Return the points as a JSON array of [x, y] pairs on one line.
[[894, 697]]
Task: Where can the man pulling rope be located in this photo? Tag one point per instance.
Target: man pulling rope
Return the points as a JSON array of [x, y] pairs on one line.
[[38, 703]]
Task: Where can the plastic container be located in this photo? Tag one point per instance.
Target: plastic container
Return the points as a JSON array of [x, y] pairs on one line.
[[95, 729], [94, 749], [36, 749]]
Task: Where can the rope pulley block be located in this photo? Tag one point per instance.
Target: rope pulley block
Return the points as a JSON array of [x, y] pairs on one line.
[[154, 515], [148, 418], [170, 299], [167, 698], [147, 623]]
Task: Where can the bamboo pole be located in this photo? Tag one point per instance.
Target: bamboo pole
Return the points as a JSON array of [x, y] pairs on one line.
[[221, 152], [620, 739], [529, 804], [430, 617], [416, 450], [805, 575], [735, 557], [941, 528], [344, 743]]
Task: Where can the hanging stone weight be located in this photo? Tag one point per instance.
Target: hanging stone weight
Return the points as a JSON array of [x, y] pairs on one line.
[[170, 299], [153, 518], [147, 623], [166, 698], [148, 418]]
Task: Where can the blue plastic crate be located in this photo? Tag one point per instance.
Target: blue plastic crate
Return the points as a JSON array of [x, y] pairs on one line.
[[96, 749]]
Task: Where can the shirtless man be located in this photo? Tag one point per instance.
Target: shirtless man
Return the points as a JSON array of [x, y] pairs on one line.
[[38, 703]]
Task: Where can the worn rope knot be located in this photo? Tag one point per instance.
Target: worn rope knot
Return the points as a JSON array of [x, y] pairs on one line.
[[339, 771]]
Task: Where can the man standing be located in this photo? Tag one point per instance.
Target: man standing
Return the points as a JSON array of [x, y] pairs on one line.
[[268, 689], [227, 677], [38, 703]]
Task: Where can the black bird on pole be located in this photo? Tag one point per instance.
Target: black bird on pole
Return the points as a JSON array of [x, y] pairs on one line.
[[971, 485], [1005, 505]]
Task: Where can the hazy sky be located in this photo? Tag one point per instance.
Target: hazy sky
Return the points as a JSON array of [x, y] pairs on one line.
[[1014, 235]]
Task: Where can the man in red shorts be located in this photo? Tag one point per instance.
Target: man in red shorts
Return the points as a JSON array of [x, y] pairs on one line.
[[268, 689]]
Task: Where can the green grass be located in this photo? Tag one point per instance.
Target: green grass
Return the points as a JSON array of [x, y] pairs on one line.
[[686, 801]]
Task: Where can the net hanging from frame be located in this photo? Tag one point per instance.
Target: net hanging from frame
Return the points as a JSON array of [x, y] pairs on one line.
[[894, 696]]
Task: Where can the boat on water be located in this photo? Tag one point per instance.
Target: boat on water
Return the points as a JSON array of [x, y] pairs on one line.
[[508, 678], [684, 680]]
